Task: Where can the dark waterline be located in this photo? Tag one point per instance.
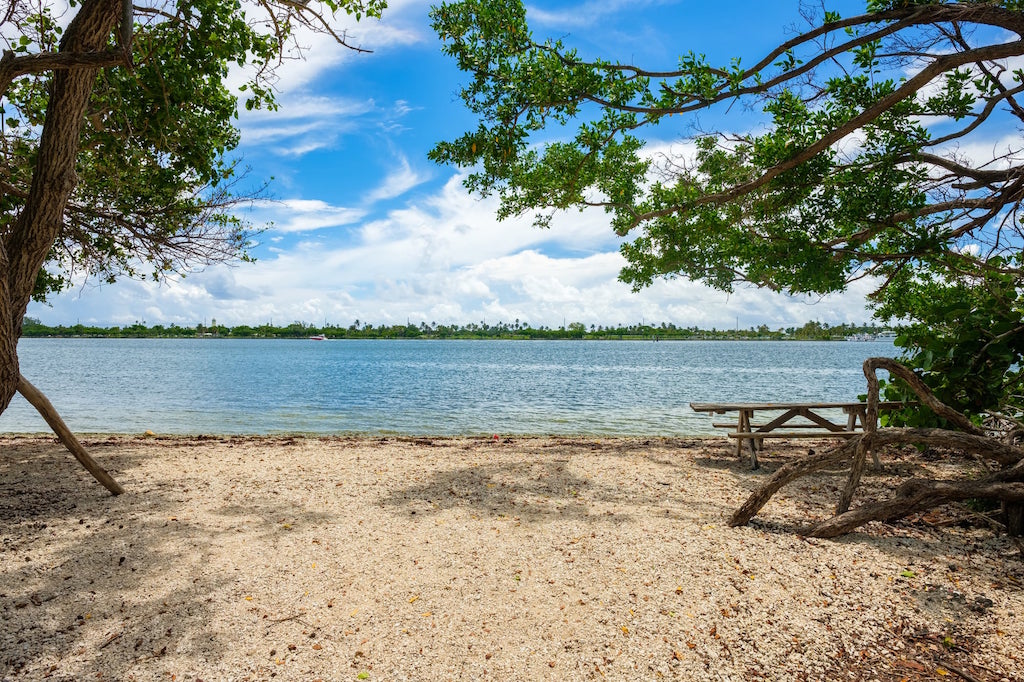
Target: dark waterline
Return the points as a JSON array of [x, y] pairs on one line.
[[239, 386]]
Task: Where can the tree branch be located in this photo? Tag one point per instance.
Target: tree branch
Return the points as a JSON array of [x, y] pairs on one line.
[[982, 116], [908, 89], [723, 91], [12, 66]]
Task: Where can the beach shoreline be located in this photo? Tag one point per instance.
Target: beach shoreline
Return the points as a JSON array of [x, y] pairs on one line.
[[423, 558]]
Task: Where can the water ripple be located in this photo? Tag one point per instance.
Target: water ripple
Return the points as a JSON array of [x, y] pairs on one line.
[[188, 386]]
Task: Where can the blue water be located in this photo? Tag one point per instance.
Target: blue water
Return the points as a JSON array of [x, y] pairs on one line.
[[188, 386]]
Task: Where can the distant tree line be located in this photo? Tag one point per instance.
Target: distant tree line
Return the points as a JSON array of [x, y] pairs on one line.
[[811, 331]]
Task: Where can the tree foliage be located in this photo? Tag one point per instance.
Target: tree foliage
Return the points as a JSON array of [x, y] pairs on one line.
[[861, 171], [965, 338], [155, 188], [115, 134]]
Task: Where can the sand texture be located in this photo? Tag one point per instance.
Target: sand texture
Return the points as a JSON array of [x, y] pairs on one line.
[[464, 559]]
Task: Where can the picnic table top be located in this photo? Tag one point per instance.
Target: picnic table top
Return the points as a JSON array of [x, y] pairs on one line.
[[736, 407]]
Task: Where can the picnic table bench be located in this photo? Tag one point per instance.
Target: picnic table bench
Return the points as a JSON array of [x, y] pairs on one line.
[[799, 420]]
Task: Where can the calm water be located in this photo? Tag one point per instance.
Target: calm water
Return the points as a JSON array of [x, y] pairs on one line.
[[422, 387]]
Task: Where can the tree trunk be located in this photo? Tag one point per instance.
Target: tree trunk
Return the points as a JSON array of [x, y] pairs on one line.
[[49, 413], [9, 368], [24, 248]]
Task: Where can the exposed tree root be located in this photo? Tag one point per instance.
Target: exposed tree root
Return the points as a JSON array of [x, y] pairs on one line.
[[913, 496], [1005, 485], [788, 473]]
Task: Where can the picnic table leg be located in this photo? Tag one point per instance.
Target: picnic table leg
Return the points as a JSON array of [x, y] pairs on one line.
[[851, 420], [742, 426], [755, 443]]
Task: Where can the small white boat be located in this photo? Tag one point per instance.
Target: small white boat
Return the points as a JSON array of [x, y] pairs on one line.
[[318, 337]]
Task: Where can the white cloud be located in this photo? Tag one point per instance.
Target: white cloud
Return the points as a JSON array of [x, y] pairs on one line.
[[584, 14], [311, 53], [399, 181], [307, 215], [302, 215], [992, 154], [443, 259], [971, 249], [304, 123]]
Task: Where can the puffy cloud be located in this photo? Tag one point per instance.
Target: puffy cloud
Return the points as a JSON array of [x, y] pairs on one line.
[[444, 258]]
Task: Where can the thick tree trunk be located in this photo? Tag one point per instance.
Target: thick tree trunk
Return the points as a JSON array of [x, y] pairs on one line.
[[9, 369], [24, 248]]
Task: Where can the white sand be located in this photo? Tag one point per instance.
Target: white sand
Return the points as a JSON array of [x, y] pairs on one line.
[[464, 559]]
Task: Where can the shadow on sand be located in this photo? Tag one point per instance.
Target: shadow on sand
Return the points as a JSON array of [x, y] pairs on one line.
[[70, 551]]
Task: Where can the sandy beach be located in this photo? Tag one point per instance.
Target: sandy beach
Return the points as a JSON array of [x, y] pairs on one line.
[[291, 558]]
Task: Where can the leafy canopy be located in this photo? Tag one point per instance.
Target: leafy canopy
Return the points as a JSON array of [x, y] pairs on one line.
[[157, 190], [858, 173], [849, 179], [965, 337]]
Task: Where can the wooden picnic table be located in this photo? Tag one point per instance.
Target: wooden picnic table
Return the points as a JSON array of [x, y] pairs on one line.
[[800, 420]]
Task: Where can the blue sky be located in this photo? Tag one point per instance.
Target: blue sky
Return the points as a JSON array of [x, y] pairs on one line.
[[366, 228]]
